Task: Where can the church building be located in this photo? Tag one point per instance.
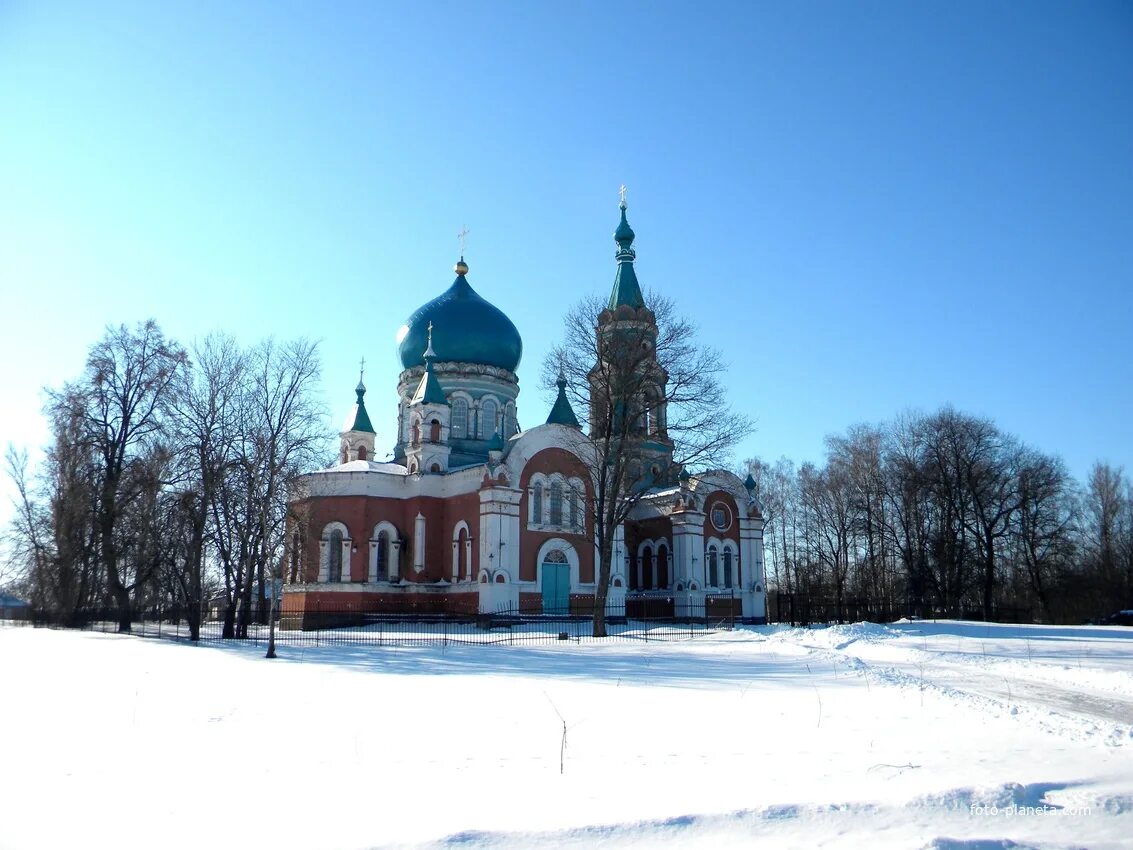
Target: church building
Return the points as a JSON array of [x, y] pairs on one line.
[[473, 514]]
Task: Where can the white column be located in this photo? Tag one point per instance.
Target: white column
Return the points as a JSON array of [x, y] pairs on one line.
[[688, 547], [395, 561], [372, 569], [468, 556], [419, 543], [345, 577], [499, 530], [455, 561], [324, 562], [618, 553], [751, 568]]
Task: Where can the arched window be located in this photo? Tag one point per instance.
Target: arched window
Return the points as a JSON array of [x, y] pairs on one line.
[[383, 556], [537, 504], [556, 504], [361, 453], [509, 420], [334, 556], [463, 565], [647, 568], [488, 409], [662, 566], [459, 418], [727, 568], [434, 431], [415, 433], [575, 510], [713, 568]]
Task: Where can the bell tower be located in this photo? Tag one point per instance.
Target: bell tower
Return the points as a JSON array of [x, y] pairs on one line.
[[628, 385], [356, 440]]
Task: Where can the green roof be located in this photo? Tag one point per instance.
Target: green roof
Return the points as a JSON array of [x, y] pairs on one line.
[[361, 419], [562, 413], [626, 289], [429, 390]]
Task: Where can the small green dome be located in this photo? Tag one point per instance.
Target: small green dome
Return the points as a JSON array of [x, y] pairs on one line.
[[624, 234], [466, 328]]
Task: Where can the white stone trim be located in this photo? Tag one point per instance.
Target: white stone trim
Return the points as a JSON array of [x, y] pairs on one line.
[[571, 556], [324, 552], [568, 485], [456, 553], [419, 543], [392, 535]]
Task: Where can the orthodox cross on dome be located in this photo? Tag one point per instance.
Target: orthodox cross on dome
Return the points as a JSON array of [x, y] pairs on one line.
[[622, 195], [361, 388], [463, 237]]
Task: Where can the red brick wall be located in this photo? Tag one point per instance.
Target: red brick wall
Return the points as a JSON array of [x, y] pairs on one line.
[[361, 513], [547, 461], [305, 603], [733, 531]]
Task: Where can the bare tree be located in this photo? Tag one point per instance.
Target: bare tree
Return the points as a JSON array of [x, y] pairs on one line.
[[52, 541], [654, 402], [1108, 534], [204, 432], [281, 435], [120, 403], [1044, 529], [828, 500]]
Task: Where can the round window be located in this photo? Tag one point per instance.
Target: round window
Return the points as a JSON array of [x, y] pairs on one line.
[[721, 517]]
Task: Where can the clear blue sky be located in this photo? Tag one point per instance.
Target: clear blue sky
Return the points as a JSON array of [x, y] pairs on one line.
[[867, 206]]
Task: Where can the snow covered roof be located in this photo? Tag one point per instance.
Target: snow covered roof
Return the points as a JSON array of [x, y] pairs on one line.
[[366, 466]]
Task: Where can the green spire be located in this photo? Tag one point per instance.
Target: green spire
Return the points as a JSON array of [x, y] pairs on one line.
[[626, 288], [429, 390], [360, 421], [562, 413]]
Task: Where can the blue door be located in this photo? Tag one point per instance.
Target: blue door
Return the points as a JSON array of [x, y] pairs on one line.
[[556, 588]]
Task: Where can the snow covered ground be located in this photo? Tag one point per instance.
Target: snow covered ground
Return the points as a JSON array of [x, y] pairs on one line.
[[916, 735]]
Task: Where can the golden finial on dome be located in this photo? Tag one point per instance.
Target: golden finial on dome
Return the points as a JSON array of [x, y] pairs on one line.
[[462, 267]]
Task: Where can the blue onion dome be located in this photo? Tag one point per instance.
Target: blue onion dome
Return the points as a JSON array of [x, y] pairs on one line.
[[467, 329]]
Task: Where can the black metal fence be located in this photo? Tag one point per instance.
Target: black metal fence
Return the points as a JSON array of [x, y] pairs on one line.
[[329, 626], [803, 610]]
